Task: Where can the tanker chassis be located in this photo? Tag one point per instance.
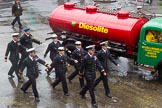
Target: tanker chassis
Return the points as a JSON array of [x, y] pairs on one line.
[[129, 34]]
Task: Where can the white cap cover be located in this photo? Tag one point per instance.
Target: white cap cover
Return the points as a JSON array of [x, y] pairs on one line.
[[15, 34], [139, 7], [61, 48], [90, 47], [30, 50], [104, 43], [54, 36], [78, 43]]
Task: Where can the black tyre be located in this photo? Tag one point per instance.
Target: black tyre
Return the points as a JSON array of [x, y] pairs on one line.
[[70, 48], [160, 75], [159, 69]]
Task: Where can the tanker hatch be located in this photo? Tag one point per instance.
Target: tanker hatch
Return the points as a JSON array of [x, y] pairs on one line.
[[123, 14], [91, 9], [69, 5]]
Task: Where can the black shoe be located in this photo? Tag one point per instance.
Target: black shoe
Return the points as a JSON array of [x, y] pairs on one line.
[[11, 76], [12, 25], [67, 94], [109, 95], [94, 105], [53, 86], [37, 99], [23, 90], [82, 96]]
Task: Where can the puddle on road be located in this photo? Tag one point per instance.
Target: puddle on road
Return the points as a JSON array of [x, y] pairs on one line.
[[127, 69]]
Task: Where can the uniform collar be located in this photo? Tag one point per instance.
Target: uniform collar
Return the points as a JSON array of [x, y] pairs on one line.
[[90, 55], [27, 35], [55, 42], [78, 49], [14, 41], [104, 50], [31, 57]]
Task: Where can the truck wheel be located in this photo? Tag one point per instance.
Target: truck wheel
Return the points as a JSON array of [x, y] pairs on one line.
[[160, 75], [115, 56], [159, 69], [70, 47]]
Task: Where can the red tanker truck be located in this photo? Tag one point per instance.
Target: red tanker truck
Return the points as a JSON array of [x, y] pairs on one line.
[[129, 34]]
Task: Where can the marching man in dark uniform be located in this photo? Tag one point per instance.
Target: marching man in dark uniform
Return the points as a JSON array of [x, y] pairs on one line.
[[13, 49], [103, 55], [78, 55], [60, 64], [53, 47], [32, 71], [27, 39], [89, 65], [27, 42]]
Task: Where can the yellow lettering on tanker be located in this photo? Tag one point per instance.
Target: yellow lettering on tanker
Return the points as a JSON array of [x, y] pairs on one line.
[[93, 28], [105, 30], [81, 25], [152, 52]]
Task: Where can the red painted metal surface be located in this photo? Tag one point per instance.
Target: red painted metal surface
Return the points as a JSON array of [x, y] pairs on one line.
[[119, 28]]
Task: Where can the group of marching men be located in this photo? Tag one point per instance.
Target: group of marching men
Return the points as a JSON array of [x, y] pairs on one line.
[[84, 62]]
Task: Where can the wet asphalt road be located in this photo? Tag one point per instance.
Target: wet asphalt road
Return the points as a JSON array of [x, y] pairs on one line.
[[127, 85]]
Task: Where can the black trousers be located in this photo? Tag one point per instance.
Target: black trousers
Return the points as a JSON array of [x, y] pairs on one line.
[[52, 68], [89, 86], [104, 80], [21, 62], [17, 19], [14, 68], [23, 56], [31, 81], [75, 73], [61, 78]]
